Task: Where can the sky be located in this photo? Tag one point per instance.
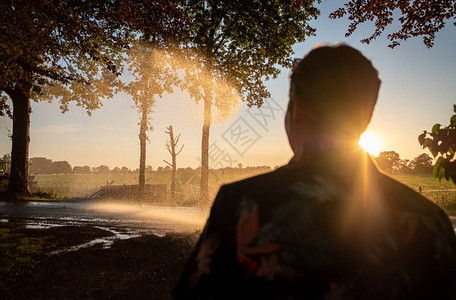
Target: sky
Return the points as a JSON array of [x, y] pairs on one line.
[[417, 91]]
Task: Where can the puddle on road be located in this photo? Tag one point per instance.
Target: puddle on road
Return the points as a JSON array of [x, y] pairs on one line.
[[121, 221], [106, 242], [34, 225]]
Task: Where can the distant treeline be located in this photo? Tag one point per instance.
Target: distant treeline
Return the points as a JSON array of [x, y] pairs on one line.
[[42, 165], [387, 161], [390, 162]]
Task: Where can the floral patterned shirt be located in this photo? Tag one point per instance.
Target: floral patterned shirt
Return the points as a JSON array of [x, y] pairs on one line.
[[335, 228]]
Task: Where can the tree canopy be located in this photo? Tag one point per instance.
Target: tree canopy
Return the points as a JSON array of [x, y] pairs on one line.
[[54, 41], [70, 51], [417, 18], [389, 161], [422, 164], [243, 42], [74, 44]]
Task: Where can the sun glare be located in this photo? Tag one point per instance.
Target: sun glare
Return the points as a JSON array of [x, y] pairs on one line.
[[370, 143]]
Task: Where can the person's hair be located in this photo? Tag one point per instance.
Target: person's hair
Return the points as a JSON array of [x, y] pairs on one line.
[[337, 88]]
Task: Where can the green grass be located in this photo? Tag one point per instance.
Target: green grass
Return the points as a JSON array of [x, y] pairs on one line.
[[19, 253], [427, 182], [82, 185]]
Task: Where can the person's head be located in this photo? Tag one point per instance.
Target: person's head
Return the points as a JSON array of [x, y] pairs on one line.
[[333, 92]]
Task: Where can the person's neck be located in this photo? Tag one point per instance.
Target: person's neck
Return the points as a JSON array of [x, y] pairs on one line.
[[327, 149]]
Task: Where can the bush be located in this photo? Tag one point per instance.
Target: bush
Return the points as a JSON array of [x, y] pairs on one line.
[[3, 185], [46, 195]]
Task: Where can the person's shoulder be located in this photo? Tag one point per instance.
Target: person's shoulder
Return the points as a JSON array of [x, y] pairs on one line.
[[406, 199], [262, 182], [258, 188], [263, 187]]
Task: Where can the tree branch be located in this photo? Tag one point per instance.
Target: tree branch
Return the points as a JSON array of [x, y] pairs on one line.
[[176, 139], [179, 150]]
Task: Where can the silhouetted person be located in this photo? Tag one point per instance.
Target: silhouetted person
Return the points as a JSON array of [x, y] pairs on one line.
[[328, 225]]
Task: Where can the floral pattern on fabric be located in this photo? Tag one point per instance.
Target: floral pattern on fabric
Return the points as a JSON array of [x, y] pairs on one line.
[[320, 232], [250, 255], [204, 257]]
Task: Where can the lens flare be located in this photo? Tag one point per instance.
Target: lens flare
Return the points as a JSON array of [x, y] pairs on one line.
[[371, 143]]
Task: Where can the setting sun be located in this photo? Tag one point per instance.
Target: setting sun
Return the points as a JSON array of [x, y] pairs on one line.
[[370, 143]]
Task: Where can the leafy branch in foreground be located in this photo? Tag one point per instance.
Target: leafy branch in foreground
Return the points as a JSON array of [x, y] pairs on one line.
[[417, 18], [441, 141]]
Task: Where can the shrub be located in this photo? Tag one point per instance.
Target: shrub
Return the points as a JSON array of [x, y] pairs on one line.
[[46, 195], [3, 185]]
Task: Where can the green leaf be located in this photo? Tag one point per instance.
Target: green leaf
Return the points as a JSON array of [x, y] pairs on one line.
[[439, 170], [428, 142], [453, 120], [454, 108], [421, 138], [436, 128], [439, 161]]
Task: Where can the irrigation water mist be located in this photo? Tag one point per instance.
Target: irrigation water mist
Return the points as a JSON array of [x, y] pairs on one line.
[[180, 218], [172, 73]]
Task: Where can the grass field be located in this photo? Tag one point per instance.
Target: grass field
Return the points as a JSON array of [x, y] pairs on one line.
[[84, 185], [427, 182], [187, 181], [442, 192]]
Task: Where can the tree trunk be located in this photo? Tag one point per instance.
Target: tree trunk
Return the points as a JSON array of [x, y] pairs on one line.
[[20, 97], [142, 149], [204, 186], [173, 180], [173, 162], [171, 145]]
